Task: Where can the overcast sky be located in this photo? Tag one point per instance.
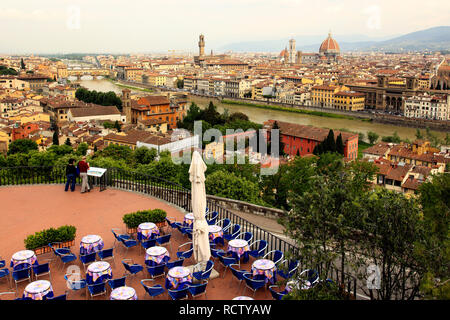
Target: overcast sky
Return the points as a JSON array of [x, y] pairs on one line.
[[48, 26]]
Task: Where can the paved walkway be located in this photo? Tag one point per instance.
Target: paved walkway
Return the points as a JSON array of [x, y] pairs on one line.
[[32, 208]]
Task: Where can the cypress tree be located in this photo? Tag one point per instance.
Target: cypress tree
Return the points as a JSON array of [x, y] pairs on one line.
[[340, 144], [56, 138], [330, 144]]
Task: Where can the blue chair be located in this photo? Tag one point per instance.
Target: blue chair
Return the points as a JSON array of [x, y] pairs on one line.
[[212, 218], [131, 268], [189, 233], [118, 236], [116, 283], [97, 289], [64, 255], [128, 243], [148, 244], [225, 224], [173, 264], [4, 272], [171, 221], [311, 275], [152, 291], [226, 261], [179, 294], [106, 254], [277, 295], [253, 284], [75, 282], [185, 254], [198, 289], [216, 252], [238, 274], [42, 270], [87, 259], [259, 250], [203, 274], [292, 268], [156, 271], [60, 297], [21, 275], [163, 240], [274, 255], [247, 236], [183, 229], [234, 232]]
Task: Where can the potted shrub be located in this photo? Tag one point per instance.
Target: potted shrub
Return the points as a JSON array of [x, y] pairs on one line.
[[40, 240], [134, 219]]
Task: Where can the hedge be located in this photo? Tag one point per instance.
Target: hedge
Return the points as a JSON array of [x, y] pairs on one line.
[[134, 219], [44, 237]]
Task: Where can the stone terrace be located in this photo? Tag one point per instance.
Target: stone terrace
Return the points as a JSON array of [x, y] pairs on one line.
[[28, 209]]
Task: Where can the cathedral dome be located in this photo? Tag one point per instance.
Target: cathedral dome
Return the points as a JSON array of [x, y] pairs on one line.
[[329, 45]]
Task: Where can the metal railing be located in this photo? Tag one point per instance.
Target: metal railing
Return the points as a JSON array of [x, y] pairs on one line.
[[170, 192]]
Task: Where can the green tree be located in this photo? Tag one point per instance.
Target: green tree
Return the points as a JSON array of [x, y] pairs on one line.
[[281, 145], [118, 126], [339, 144], [419, 134], [22, 146], [56, 138], [228, 185], [144, 155], [434, 197], [82, 149], [373, 137], [68, 143]]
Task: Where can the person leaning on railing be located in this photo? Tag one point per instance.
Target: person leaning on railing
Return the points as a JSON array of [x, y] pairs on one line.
[[83, 166], [71, 174]]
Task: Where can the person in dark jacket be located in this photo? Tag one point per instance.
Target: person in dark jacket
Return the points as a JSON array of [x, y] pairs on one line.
[[71, 173]]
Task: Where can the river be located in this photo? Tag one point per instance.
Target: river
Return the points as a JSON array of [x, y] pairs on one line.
[[261, 115]]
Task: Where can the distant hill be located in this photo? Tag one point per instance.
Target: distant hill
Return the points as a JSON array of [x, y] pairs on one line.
[[437, 38]]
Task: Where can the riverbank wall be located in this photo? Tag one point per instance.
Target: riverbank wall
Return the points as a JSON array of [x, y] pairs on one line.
[[437, 125]]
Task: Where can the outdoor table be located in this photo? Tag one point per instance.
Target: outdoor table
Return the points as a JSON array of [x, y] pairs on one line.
[[157, 254], [188, 219], [240, 247], [243, 298], [90, 244], [177, 276], [38, 290], [24, 256], [123, 293], [98, 272], [265, 267], [215, 231], [147, 230]]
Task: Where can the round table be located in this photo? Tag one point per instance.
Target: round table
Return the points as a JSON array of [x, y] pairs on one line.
[[243, 298], [238, 246], [147, 230], [157, 254], [177, 276], [24, 256], [294, 284], [265, 267], [188, 219], [98, 272], [123, 293], [38, 290], [215, 231], [90, 244]]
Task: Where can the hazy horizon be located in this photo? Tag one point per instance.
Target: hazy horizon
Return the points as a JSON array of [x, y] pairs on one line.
[[114, 26]]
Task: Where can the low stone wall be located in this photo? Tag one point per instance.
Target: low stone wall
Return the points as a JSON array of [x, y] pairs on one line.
[[246, 207], [438, 125]]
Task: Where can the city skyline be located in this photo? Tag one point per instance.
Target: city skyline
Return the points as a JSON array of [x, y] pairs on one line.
[[111, 27]]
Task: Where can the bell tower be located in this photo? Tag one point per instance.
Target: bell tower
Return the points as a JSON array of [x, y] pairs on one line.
[[201, 46], [126, 105]]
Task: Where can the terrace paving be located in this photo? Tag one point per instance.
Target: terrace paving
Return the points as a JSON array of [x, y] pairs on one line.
[[28, 209]]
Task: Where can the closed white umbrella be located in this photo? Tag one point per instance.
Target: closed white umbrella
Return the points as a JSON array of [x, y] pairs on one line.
[[200, 232]]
